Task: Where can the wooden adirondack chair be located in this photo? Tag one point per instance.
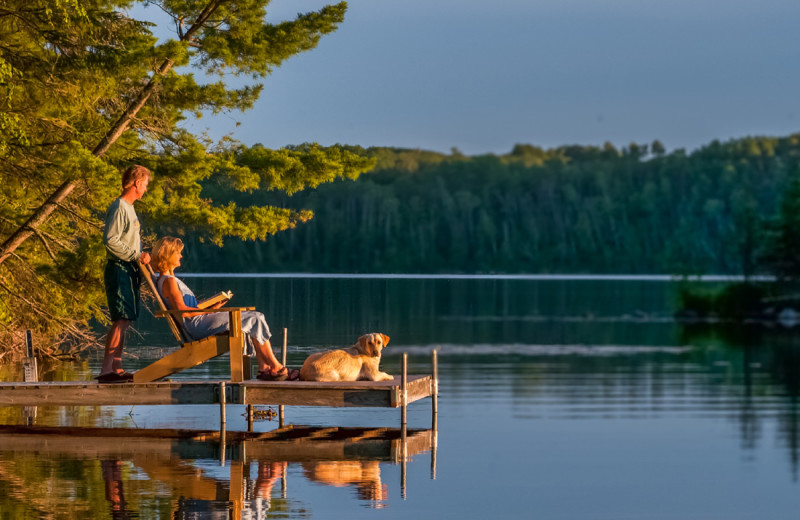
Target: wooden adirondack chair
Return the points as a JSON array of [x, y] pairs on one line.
[[194, 352]]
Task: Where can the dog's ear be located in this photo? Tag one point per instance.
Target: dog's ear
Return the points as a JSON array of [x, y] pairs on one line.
[[362, 342], [385, 340]]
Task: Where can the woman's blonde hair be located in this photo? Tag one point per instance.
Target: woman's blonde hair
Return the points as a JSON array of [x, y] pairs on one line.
[[164, 251]]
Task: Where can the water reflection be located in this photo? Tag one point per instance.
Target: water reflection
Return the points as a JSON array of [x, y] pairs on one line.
[[763, 364], [547, 387], [99, 472]]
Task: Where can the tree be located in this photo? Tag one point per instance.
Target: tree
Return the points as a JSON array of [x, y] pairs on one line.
[[782, 255], [88, 90], [657, 148]]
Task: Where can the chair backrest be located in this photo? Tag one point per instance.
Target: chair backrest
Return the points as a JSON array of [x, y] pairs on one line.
[[175, 323]]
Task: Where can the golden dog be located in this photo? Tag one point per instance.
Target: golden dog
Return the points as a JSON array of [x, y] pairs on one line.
[[357, 363]]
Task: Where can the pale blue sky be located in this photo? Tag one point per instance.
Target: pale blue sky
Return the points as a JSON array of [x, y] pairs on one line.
[[482, 76]]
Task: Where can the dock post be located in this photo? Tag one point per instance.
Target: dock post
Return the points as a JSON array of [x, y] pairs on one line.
[[434, 446], [222, 403], [283, 362], [403, 470], [404, 392], [435, 391], [403, 425], [222, 446], [250, 417], [30, 372], [222, 423], [435, 413], [283, 348]]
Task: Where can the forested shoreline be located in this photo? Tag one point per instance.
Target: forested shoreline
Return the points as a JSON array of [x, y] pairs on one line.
[[571, 209]]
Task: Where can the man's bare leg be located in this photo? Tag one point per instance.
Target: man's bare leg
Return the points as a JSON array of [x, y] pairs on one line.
[[115, 342]]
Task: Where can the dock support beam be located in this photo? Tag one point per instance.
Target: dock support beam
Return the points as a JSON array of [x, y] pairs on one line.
[[434, 412], [435, 391], [283, 362], [403, 425], [30, 374], [222, 404], [404, 392], [222, 420]]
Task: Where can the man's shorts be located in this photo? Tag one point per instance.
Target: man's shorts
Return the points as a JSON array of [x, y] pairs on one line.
[[122, 289]]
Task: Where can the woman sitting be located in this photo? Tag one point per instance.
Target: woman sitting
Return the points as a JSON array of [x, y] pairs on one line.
[[165, 258]]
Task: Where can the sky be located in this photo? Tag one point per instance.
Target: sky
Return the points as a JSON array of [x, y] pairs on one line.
[[483, 76]]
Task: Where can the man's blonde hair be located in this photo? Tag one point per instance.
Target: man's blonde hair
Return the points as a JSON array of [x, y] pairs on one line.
[[133, 174], [164, 251]]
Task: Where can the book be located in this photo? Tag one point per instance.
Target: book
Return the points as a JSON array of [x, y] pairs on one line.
[[219, 297]]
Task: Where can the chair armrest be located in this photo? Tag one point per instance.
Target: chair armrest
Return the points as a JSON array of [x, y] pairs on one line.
[[178, 312]]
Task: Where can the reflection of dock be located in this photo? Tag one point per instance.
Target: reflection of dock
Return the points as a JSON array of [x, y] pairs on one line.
[[333, 456], [289, 444]]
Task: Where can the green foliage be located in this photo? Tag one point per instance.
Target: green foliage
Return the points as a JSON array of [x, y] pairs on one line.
[[568, 209], [71, 70], [735, 301], [783, 233]]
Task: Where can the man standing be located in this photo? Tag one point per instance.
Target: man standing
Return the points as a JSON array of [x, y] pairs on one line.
[[124, 245]]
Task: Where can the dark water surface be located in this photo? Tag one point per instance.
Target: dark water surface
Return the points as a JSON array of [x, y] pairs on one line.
[[559, 400]]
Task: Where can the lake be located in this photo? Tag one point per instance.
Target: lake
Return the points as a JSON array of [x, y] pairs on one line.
[[559, 399]]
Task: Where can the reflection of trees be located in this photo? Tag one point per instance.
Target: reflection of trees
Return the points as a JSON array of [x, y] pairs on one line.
[[60, 488], [760, 351], [58, 415], [457, 311]]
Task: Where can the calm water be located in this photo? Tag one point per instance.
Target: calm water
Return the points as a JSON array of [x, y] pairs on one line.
[[568, 399]]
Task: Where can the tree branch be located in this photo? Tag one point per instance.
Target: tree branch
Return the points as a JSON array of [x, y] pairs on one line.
[[112, 135], [80, 217], [45, 244]]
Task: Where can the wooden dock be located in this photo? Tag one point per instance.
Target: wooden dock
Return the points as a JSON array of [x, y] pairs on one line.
[[397, 393], [292, 393]]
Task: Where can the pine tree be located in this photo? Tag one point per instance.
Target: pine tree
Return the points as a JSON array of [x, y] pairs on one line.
[[86, 90], [782, 257]]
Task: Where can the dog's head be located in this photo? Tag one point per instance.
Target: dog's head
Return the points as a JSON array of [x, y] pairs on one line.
[[371, 344]]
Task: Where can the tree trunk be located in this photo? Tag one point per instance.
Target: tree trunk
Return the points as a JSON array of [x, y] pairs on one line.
[[44, 211]]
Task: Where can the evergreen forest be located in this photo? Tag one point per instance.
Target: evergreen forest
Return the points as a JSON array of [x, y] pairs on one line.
[[571, 209]]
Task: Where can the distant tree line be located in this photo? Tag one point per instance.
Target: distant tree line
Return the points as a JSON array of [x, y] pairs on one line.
[[571, 209]]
